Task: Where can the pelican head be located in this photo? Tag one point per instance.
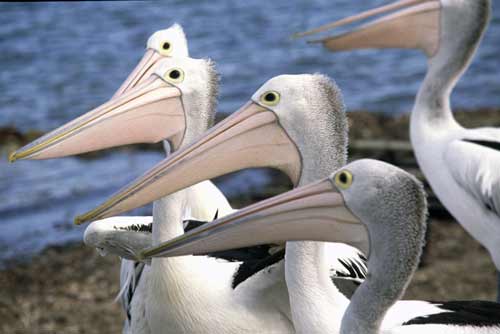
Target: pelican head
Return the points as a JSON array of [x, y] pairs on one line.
[[310, 110], [361, 204], [170, 42], [442, 29], [294, 123], [181, 92]]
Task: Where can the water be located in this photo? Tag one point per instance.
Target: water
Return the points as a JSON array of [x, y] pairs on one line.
[[61, 59]]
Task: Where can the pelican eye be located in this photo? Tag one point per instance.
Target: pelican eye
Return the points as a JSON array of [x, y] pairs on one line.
[[270, 98], [175, 75], [343, 179], [165, 48]]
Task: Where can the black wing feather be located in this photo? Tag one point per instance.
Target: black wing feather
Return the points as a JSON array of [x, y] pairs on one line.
[[249, 268], [191, 224], [356, 268], [138, 269], [136, 228], [487, 143], [476, 313]]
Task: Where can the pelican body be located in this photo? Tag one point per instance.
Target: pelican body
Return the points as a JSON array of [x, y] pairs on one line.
[[367, 204], [460, 164]]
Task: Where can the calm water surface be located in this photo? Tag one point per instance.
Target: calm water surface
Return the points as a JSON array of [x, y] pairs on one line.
[[59, 60]]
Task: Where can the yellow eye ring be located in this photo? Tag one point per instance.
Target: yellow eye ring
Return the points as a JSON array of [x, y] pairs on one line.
[[165, 48], [270, 98], [175, 75], [343, 179]]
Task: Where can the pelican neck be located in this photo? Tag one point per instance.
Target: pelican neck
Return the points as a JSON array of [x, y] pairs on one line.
[[168, 210], [396, 244], [316, 303]]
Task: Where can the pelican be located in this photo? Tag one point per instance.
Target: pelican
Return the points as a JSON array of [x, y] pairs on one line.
[[175, 292], [113, 125], [295, 123], [367, 200], [460, 164]]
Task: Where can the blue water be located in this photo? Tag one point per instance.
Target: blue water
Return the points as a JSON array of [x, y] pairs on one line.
[[59, 60]]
